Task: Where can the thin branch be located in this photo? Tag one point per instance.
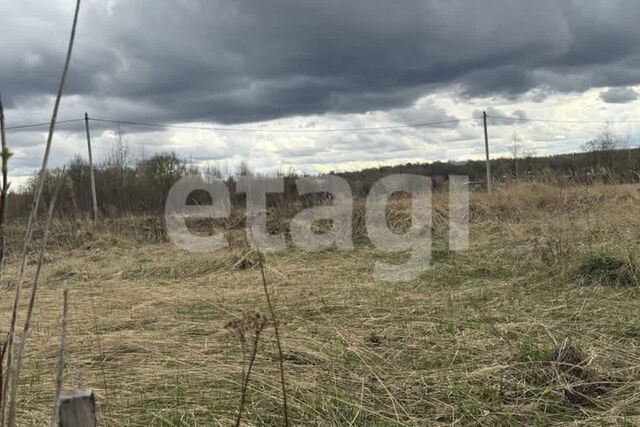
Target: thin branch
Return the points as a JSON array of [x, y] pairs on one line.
[[245, 383], [4, 154], [3, 353], [32, 302], [60, 370], [277, 333], [34, 213]]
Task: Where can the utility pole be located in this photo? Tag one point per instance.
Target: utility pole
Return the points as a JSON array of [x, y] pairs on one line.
[[486, 148], [93, 178]]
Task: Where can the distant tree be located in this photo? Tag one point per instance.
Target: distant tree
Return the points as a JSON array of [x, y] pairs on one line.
[[602, 148], [160, 172], [119, 154], [515, 152], [243, 169]]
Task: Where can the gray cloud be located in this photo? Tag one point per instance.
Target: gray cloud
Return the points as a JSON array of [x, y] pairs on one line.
[[619, 95], [497, 117], [247, 61], [312, 64]]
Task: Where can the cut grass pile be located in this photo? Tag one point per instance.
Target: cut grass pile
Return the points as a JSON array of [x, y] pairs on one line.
[[532, 325]]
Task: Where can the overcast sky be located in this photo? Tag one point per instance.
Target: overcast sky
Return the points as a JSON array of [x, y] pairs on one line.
[[321, 64]]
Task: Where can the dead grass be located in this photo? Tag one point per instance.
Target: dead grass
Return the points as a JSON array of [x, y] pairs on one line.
[[505, 333], [603, 269]]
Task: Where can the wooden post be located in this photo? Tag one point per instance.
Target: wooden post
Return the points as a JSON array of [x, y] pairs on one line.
[[486, 149], [77, 408], [93, 178]]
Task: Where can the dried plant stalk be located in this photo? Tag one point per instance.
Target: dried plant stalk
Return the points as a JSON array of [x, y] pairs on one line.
[[32, 301], [60, 370], [29, 231], [250, 322], [279, 344], [4, 154]]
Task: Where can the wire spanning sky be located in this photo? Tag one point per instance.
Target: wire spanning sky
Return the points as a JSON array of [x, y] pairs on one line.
[[331, 64]]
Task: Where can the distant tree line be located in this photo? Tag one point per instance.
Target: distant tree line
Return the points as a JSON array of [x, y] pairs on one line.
[[139, 187], [608, 158]]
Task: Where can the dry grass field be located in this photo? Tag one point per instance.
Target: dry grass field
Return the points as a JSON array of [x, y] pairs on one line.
[[537, 323]]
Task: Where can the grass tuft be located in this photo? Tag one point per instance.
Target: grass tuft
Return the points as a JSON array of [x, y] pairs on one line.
[[606, 270]]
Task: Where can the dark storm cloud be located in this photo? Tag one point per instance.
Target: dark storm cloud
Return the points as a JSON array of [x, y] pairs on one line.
[[619, 95], [244, 61]]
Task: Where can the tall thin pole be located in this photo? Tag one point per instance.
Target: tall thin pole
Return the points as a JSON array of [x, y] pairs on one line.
[[60, 369], [5, 154], [486, 149], [93, 178]]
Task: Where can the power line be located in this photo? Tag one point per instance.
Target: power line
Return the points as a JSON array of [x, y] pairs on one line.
[[229, 129], [34, 125], [321, 130], [526, 119]]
